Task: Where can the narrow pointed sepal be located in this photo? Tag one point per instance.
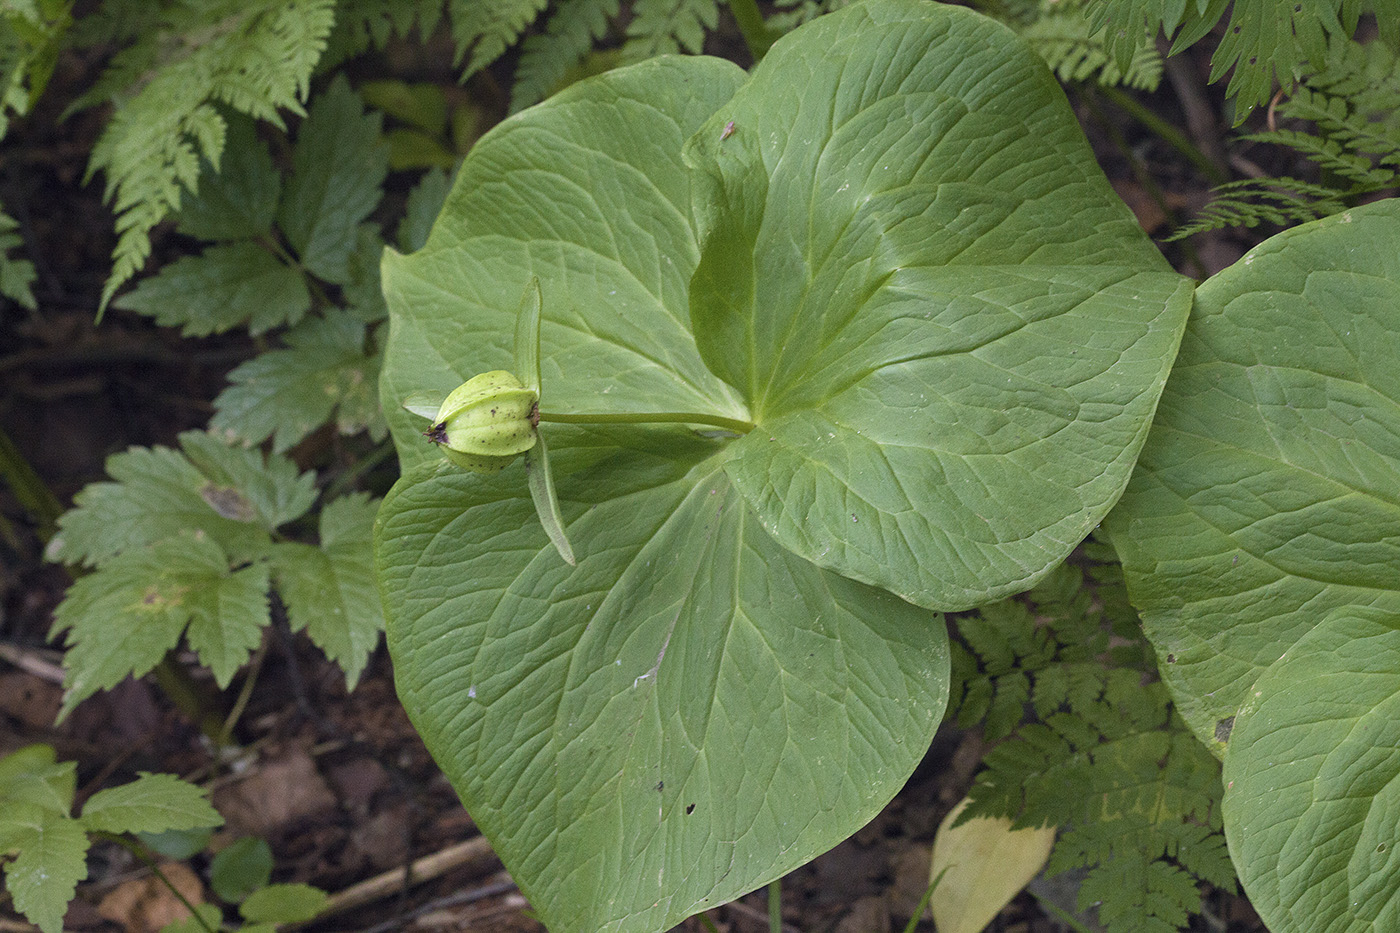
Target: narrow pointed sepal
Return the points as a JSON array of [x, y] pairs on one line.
[[546, 502]]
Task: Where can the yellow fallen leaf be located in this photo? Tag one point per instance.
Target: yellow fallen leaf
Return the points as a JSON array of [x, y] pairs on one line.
[[983, 866]]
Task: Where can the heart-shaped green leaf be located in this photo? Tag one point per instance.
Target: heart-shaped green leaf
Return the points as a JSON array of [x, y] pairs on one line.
[[1311, 780], [951, 332], [1267, 494]]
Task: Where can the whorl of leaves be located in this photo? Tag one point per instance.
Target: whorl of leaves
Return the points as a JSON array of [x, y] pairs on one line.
[[1101, 753]]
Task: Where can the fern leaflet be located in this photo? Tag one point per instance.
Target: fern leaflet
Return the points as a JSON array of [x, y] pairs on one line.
[[1352, 104], [254, 57], [484, 30], [1105, 758], [661, 27], [547, 57], [1263, 39], [1076, 51]]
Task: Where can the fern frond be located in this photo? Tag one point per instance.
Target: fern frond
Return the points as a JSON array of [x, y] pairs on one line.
[[254, 57], [661, 27], [1104, 757], [483, 31], [1263, 39], [1076, 52], [1141, 895], [16, 275], [547, 57], [1248, 203], [30, 37], [362, 24]]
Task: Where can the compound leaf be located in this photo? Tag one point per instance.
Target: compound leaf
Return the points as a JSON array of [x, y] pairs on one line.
[[239, 201], [338, 167], [121, 619], [232, 495], [329, 590], [153, 803], [224, 287], [286, 394]]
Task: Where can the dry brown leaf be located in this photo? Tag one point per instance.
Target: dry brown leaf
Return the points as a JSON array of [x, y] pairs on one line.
[[144, 905]]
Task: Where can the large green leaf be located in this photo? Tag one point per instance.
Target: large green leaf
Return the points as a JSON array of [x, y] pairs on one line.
[[1311, 780], [1267, 494], [589, 194], [693, 710], [689, 713], [951, 333]]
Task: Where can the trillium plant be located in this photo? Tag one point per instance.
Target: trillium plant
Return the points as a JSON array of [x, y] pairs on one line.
[[805, 358]]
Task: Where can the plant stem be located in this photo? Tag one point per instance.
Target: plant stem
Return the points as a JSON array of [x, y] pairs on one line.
[[28, 488], [775, 906], [751, 24], [650, 417], [1169, 134]]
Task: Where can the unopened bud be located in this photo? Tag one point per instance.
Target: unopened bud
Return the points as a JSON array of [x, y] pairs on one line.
[[486, 422]]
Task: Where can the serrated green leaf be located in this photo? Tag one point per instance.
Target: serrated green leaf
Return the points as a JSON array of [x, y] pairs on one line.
[[286, 394], [224, 287], [16, 275], [206, 917], [230, 494], [276, 490], [424, 203], [44, 875], [121, 619], [32, 777], [239, 200], [284, 903], [241, 868], [329, 590], [152, 803], [1310, 777], [953, 359], [1266, 494], [338, 168], [362, 289]]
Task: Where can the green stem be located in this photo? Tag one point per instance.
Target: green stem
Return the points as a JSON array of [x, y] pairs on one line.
[[141, 854], [1169, 134], [196, 700], [754, 29], [28, 488], [775, 906], [650, 417]]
